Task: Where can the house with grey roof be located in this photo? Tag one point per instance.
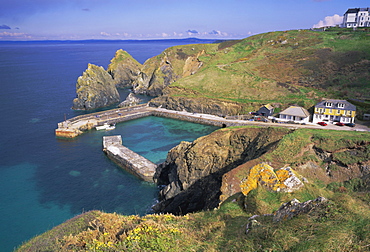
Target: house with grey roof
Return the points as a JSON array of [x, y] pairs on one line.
[[294, 114], [331, 110]]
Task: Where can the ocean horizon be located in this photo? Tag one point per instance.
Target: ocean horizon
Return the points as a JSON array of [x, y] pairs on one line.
[[44, 180]]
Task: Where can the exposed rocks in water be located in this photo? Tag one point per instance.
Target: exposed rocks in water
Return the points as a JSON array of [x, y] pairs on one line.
[[131, 100], [95, 89], [193, 171], [124, 69]]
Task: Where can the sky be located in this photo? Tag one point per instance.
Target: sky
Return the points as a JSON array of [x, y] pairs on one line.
[[163, 19]]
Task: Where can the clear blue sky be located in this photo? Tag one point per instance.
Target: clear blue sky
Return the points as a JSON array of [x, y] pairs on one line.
[[152, 19]]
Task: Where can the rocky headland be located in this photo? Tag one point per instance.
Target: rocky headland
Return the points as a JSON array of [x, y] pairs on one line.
[[95, 89], [202, 174], [193, 171]]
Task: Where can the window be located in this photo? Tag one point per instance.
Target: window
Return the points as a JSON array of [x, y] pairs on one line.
[[340, 105], [328, 104]]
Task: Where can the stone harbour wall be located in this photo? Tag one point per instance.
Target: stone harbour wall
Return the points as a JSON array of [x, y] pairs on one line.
[[127, 159]]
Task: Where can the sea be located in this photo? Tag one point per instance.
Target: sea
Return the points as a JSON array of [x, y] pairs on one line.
[[44, 180]]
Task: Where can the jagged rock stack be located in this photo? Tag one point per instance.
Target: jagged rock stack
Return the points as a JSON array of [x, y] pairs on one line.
[[95, 89]]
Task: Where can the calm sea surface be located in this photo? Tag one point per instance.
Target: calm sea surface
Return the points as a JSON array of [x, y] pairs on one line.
[[45, 181]]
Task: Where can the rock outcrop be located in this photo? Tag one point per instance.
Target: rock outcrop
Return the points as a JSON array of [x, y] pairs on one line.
[[284, 179], [124, 69], [197, 105], [294, 208], [131, 100], [193, 171], [95, 89], [166, 68]]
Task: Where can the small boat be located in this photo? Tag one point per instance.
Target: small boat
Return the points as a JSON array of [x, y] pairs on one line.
[[102, 127], [111, 127]]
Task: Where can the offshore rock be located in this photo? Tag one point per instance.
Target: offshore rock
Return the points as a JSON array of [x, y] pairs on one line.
[[192, 173], [131, 100], [150, 78], [124, 69], [95, 89]]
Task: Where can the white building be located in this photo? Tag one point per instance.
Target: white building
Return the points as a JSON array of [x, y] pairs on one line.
[[294, 114], [356, 17]]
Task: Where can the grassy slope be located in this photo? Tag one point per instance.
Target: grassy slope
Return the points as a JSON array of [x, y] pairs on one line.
[[292, 67], [343, 225]]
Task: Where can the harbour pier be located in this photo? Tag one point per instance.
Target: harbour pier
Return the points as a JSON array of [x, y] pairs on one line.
[[127, 159], [77, 125]]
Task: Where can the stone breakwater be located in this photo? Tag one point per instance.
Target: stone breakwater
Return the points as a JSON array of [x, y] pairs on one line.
[[127, 159], [77, 125]]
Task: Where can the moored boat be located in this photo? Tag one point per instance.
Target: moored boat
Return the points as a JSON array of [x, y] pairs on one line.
[[102, 127]]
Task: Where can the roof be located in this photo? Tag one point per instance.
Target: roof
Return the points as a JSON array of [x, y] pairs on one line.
[[347, 105], [268, 106], [355, 10], [296, 111]]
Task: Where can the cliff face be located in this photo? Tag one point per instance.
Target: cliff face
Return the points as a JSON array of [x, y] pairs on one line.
[[196, 104], [95, 89], [193, 171], [166, 68]]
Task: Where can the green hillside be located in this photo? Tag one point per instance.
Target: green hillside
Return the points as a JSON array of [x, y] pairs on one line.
[[291, 67]]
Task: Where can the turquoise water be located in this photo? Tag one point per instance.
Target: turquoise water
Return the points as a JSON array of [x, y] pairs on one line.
[[44, 180]]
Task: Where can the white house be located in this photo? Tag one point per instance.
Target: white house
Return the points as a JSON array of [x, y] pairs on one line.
[[356, 17], [295, 114]]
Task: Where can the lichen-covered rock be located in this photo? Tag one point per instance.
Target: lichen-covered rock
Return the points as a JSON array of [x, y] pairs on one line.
[[131, 100], [95, 89], [124, 69], [264, 175], [294, 208], [289, 180]]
